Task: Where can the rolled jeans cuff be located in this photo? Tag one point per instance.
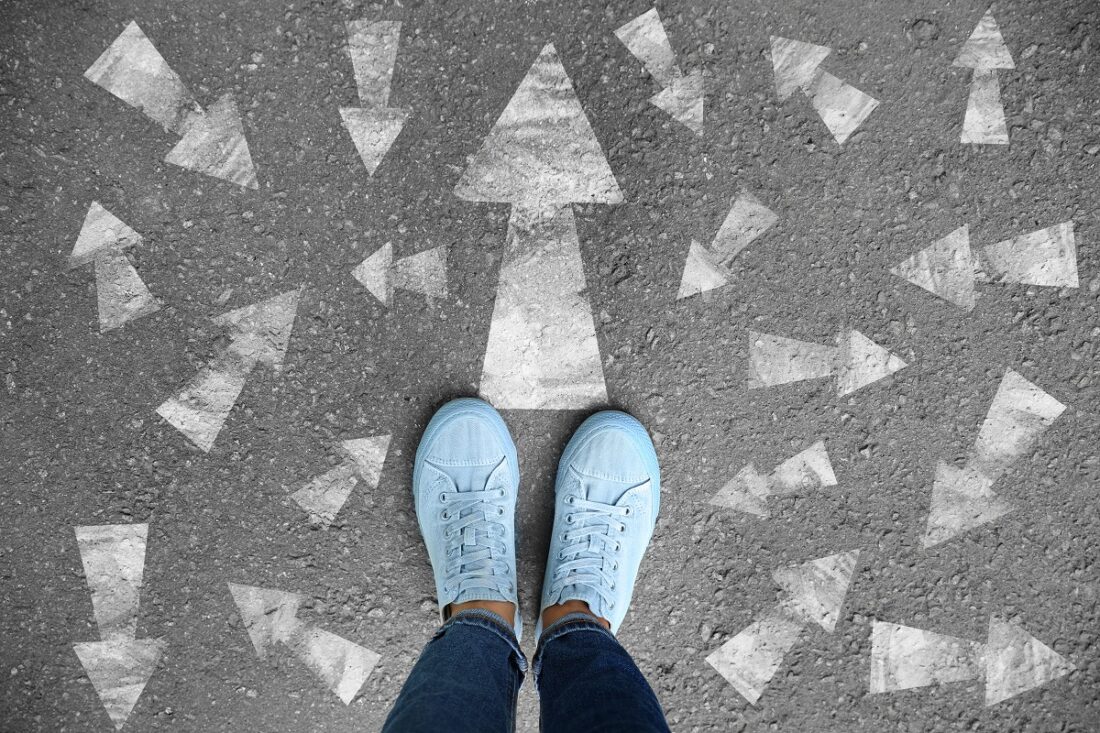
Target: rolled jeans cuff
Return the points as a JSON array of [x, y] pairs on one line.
[[490, 621]]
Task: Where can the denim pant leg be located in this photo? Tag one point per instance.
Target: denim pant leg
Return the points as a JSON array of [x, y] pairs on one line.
[[588, 683], [466, 680]]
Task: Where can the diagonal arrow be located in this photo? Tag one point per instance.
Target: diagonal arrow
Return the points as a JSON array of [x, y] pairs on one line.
[[963, 498], [813, 594], [119, 666], [682, 96], [841, 106], [748, 491], [541, 156], [856, 361], [985, 52], [212, 143], [271, 618], [260, 333], [325, 495], [707, 268], [121, 294], [424, 272], [374, 126], [1011, 661]]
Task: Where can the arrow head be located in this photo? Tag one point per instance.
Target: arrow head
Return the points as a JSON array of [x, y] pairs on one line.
[[373, 130], [985, 49], [262, 330], [746, 492], [424, 272], [214, 144], [1015, 662], [374, 273], [962, 498], [369, 455], [119, 669], [270, 616], [862, 362], [795, 64], [701, 272], [683, 100], [946, 269], [100, 233], [815, 590]]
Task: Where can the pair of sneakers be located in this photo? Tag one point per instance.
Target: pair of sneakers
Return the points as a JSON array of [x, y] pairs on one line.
[[607, 493]]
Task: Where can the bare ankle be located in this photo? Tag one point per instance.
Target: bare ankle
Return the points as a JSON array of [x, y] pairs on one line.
[[559, 610], [504, 609]]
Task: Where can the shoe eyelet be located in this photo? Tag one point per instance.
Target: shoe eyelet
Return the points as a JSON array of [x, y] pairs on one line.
[[502, 493], [627, 512], [618, 546], [561, 557], [443, 498], [570, 500], [564, 539], [445, 515], [500, 511], [568, 518], [622, 529]]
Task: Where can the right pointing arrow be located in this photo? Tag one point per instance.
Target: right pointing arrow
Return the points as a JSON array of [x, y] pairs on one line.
[[856, 361], [324, 496], [260, 334]]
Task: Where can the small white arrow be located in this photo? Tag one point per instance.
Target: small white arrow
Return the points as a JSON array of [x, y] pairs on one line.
[[120, 291], [813, 595], [325, 495], [120, 665], [841, 106], [1011, 661], [374, 126], [271, 618], [749, 489], [682, 95], [424, 272], [707, 268], [963, 498], [261, 334], [856, 361], [985, 52], [212, 143]]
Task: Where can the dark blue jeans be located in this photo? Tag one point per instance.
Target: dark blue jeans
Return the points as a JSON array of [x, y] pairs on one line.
[[468, 677]]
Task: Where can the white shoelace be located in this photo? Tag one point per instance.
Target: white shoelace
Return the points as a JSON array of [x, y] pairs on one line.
[[590, 554]]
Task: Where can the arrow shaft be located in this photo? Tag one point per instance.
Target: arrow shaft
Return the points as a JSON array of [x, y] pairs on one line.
[[201, 409], [113, 556], [984, 123]]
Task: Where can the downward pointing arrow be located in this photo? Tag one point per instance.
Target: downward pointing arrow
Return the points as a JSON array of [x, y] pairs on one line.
[[373, 127], [119, 666], [260, 334]]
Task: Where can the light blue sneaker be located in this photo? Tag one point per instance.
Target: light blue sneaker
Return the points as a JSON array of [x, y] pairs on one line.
[[465, 483], [607, 495]]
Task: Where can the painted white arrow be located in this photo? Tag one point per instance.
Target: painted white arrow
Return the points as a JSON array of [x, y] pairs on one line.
[[950, 270], [260, 334], [325, 495], [374, 126], [120, 665], [424, 273], [271, 618], [963, 498], [541, 156], [707, 268], [985, 52], [856, 361], [121, 294], [212, 142], [841, 106], [682, 95], [1011, 661], [749, 489], [813, 594]]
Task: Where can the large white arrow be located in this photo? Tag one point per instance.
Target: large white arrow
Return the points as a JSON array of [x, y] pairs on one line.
[[120, 665], [374, 126], [1011, 661], [324, 496], [963, 498], [841, 106], [681, 95], [985, 52], [120, 291], [749, 489], [211, 142], [856, 361], [949, 269], [271, 618], [541, 157], [813, 595], [260, 334], [708, 268]]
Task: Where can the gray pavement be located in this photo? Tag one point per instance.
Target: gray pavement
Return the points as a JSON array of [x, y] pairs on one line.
[[83, 444]]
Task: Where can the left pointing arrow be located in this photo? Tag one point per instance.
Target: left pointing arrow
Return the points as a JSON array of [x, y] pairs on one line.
[[120, 665], [120, 291], [260, 333]]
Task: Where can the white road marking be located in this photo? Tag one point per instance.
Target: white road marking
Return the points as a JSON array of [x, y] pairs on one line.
[[856, 361], [682, 96], [541, 156], [271, 618], [120, 292], [985, 52], [708, 268], [963, 498], [946, 269], [748, 491], [424, 273], [119, 666], [841, 106], [325, 495], [1047, 257], [813, 594], [1011, 662], [701, 272], [212, 143], [375, 125], [260, 334]]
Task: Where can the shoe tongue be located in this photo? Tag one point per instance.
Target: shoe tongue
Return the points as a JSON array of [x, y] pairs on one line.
[[605, 491], [470, 478]]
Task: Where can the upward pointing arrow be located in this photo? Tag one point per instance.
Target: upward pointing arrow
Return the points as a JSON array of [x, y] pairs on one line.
[[985, 52], [541, 156], [121, 294], [374, 126], [260, 334], [120, 665]]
